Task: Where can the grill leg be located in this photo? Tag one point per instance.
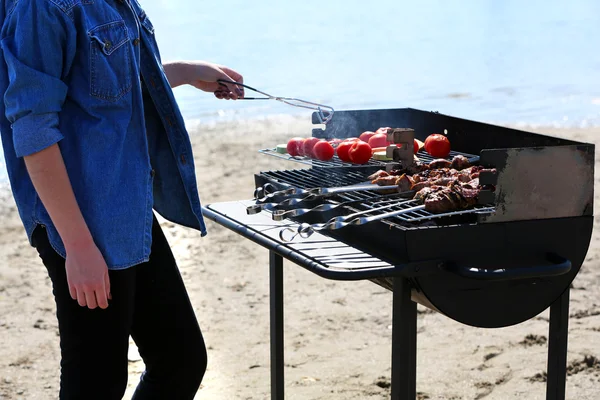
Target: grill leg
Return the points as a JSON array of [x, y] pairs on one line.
[[404, 342], [276, 300], [557, 348]]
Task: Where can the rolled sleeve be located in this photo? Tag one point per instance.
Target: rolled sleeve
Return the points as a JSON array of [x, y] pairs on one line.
[[35, 132], [38, 45]]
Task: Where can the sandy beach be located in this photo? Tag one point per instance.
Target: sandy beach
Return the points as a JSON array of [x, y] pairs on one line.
[[337, 334]]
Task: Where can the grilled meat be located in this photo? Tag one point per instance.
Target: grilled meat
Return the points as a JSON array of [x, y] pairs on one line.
[[421, 185], [472, 184], [460, 162], [445, 181], [441, 187], [423, 193], [441, 199], [469, 195], [445, 200], [463, 176], [377, 174], [385, 180], [440, 163], [476, 173], [418, 167], [405, 183]]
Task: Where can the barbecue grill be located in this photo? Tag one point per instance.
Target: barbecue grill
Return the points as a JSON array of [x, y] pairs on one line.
[[496, 264]]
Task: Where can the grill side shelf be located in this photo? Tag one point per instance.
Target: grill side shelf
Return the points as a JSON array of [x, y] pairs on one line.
[[322, 255]]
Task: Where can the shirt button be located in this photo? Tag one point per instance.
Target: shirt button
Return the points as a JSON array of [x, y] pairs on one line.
[[152, 173], [136, 41], [107, 44]]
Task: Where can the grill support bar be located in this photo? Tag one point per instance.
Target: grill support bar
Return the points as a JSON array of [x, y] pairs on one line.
[[276, 301], [557, 347], [404, 342]]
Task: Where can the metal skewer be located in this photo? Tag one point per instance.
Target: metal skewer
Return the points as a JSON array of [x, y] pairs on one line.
[[315, 192], [280, 215], [306, 230]]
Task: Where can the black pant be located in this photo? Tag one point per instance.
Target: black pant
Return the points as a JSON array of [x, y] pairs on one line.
[[150, 303]]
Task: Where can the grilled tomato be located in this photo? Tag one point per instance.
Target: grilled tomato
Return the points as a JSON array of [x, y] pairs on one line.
[[365, 136], [342, 150], [323, 151], [378, 140], [360, 152], [437, 145], [294, 145], [309, 144]]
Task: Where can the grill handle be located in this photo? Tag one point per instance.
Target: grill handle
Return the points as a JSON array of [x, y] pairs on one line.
[[560, 266]]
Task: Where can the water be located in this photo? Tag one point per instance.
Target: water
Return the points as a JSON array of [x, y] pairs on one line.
[[500, 61]]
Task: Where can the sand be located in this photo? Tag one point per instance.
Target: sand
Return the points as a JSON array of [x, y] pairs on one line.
[[337, 334]]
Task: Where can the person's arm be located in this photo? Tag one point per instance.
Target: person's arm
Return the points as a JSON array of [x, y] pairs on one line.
[[204, 75], [38, 47], [47, 171], [86, 269]]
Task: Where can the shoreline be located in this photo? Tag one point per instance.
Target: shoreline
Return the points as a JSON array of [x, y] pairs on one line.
[[197, 127], [337, 334]]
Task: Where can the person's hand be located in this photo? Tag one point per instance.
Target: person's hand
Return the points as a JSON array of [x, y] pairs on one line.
[[87, 276], [204, 76]]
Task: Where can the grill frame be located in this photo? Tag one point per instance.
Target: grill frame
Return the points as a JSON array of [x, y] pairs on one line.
[[445, 275]]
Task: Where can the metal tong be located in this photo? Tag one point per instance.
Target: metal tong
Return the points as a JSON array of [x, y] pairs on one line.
[[323, 118]]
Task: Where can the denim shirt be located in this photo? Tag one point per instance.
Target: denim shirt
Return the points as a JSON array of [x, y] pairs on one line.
[[87, 74]]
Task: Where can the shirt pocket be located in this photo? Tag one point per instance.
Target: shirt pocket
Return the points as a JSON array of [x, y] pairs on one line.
[[110, 61]]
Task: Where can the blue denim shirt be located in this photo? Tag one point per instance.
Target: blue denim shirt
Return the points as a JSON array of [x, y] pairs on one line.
[[87, 74]]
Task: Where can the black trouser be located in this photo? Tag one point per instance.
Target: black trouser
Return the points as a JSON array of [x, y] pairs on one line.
[[150, 303]]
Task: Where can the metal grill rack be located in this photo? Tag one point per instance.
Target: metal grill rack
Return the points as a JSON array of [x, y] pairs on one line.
[[336, 162]]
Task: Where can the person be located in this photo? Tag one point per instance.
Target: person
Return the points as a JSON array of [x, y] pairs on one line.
[[95, 144]]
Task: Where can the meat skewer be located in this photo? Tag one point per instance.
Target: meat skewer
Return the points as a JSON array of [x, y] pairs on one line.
[[439, 173]]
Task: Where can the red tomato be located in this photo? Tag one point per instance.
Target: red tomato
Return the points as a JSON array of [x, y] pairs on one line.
[[378, 140], [365, 136], [416, 146], [301, 147], [308, 146], [294, 145], [323, 151], [383, 130], [360, 152], [342, 150], [437, 145]]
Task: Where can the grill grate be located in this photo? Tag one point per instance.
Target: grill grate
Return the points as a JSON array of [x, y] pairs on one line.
[[316, 177], [336, 162], [323, 177]]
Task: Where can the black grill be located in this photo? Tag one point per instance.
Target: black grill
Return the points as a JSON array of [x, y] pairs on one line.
[[497, 265]]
